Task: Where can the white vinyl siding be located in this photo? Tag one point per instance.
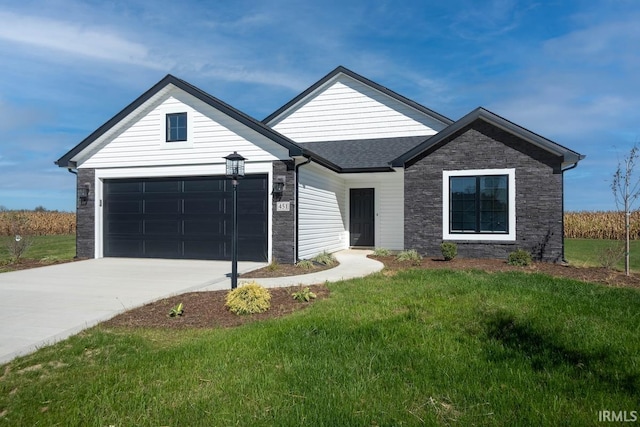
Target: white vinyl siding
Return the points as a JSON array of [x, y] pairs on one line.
[[211, 136], [388, 205], [321, 215], [346, 109]]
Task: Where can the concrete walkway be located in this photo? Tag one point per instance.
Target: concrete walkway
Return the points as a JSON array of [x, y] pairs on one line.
[[43, 305], [353, 263]]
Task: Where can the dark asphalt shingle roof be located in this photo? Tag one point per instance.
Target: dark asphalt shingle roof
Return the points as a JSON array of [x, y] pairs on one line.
[[363, 153]]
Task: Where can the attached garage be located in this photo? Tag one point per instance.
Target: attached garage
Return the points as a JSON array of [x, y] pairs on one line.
[[185, 218]]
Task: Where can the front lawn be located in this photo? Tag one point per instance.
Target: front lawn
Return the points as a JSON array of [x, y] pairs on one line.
[[592, 252], [410, 348], [43, 250]]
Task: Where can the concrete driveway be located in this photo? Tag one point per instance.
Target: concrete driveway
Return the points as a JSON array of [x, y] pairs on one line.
[[44, 305]]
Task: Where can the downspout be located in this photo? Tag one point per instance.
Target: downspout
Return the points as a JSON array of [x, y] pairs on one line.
[[297, 205], [575, 165]]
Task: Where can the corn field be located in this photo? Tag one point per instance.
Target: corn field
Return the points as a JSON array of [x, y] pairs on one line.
[[600, 225], [577, 225], [31, 223]]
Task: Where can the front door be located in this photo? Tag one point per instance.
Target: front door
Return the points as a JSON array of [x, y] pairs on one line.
[[361, 217]]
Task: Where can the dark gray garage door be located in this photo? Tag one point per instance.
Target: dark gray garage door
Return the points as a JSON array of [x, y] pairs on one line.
[[187, 218]]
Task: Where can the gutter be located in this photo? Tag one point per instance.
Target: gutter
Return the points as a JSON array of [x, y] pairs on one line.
[[296, 233]]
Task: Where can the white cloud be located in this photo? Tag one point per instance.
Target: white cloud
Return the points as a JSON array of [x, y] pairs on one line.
[[59, 36]]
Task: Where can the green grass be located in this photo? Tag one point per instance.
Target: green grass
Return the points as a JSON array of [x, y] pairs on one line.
[[418, 348], [45, 248], [589, 252]]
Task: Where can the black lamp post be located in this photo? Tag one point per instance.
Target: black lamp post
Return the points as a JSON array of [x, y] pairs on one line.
[[235, 170]]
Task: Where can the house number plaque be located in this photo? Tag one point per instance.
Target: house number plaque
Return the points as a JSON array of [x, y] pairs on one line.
[[283, 206]]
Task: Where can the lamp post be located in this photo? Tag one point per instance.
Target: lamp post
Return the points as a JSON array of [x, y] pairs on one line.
[[235, 170]]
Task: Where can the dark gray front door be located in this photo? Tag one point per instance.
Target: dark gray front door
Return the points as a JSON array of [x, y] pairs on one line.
[[361, 217], [187, 218]]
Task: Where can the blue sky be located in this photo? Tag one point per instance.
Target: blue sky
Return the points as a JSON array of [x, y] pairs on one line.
[[565, 69]]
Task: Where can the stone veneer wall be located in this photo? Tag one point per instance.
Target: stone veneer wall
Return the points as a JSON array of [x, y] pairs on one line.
[[481, 145], [85, 216], [283, 222]]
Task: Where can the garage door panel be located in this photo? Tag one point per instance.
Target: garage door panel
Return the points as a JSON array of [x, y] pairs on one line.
[[194, 228], [162, 228], [163, 206], [125, 227], [125, 247], [162, 248], [203, 206], [195, 186], [170, 186], [124, 187], [184, 218], [126, 206]]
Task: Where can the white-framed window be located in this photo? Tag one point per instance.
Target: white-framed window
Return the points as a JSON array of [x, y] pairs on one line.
[[479, 204], [176, 127]]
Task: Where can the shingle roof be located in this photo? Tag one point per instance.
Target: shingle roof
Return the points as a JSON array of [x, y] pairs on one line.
[[362, 154]]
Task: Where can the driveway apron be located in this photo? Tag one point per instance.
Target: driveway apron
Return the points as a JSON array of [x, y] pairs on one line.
[[43, 305]]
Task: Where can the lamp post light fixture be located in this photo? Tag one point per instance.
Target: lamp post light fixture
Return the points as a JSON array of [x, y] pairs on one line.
[[235, 171]]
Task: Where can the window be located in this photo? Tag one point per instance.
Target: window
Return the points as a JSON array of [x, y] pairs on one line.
[[479, 204], [176, 127]]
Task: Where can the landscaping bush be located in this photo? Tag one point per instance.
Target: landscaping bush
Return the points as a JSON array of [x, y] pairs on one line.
[[449, 250], [381, 252], [249, 298], [303, 295], [519, 257], [410, 255], [325, 258], [305, 264]]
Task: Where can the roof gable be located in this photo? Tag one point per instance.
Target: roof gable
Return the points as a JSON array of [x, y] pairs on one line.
[[569, 157], [345, 106], [156, 92]]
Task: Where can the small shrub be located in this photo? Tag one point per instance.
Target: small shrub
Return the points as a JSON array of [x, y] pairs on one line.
[[19, 230], [303, 295], [611, 255], [519, 257], [449, 250], [249, 298], [410, 255], [177, 310], [305, 264], [381, 252], [274, 266], [325, 258]]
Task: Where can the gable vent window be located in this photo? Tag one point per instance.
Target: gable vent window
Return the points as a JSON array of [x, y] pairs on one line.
[[176, 127]]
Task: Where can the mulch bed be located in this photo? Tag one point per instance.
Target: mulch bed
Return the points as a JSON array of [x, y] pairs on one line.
[[586, 274], [282, 270], [207, 310]]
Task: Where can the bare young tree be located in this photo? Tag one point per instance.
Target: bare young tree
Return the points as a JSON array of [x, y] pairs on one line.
[[626, 190]]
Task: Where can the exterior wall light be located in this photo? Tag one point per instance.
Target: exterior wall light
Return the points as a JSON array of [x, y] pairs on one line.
[[278, 186], [83, 195]]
